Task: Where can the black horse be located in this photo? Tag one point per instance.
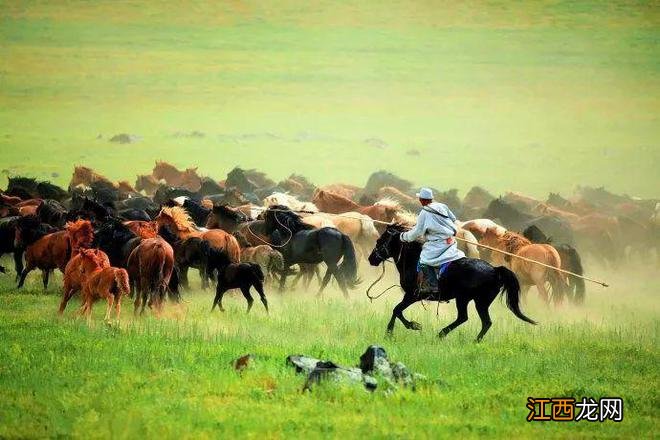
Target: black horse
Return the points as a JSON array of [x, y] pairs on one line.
[[191, 252], [30, 188], [7, 245], [235, 276], [464, 280], [301, 243]]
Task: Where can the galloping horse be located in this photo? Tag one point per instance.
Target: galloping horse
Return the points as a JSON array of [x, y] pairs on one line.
[[465, 280], [528, 273], [302, 243], [188, 179], [179, 220], [383, 210], [99, 282]]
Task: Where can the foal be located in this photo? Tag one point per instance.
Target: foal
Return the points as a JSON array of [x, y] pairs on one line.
[[109, 283], [235, 276]]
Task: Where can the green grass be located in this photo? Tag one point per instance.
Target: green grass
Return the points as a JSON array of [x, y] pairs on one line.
[[527, 96], [534, 97], [171, 377]]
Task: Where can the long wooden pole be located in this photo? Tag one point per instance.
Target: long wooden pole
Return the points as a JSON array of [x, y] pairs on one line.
[[469, 242]]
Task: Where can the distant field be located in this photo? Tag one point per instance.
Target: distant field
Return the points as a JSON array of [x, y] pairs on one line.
[[171, 378], [533, 96], [527, 96]]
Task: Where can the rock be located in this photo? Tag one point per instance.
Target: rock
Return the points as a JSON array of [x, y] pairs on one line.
[[376, 142], [124, 138], [375, 368], [413, 152]]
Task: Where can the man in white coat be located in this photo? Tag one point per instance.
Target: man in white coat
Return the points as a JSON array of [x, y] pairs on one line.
[[435, 225]]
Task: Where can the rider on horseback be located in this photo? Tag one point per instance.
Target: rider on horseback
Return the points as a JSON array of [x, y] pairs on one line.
[[435, 224]]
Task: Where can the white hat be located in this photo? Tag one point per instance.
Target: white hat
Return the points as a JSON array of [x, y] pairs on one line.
[[425, 193]]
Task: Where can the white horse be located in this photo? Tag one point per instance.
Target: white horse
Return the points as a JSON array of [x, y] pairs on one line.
[[280, 198]]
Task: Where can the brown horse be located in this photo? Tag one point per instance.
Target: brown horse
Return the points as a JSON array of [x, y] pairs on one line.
[[188, 179], [341, 189], [74, 273], [109, 283], [143, 229], [150, 266], [383, 210], [147, 183], [86, 176], [270, 260], [178, 219], [51, 251], [528, 273]]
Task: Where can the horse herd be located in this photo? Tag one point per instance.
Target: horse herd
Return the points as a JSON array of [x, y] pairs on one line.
[[112, 239]]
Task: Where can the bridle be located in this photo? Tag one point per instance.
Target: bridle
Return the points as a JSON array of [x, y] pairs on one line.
[[383, 253]]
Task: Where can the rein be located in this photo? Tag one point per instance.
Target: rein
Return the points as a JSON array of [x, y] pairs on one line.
[[273, 244], [372, 298]]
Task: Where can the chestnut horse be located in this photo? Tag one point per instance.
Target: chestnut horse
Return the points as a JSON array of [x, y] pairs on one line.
[[147, 183], [75, 271], [143, 229], [527, 272], [150, 266], [178, 219], [49, 251], [86, 176], [383, 210], [109, 283], [188, 179]]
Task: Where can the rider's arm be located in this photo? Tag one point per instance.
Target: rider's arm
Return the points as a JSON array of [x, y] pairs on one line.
[[417, 231]]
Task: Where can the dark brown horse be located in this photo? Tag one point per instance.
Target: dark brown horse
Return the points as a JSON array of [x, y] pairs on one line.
[[150, 266]]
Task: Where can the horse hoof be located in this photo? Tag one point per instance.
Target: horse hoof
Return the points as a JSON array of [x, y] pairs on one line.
[[442, 335], [415, 326]]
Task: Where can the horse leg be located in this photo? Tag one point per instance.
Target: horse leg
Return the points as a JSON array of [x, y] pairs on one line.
[[220, 292], [482, 309], [24, 274], [111, 300], [397, 312], [118, 306], [326, 279], [342, 284], [44, 276], [283, 280], [245, 290], [145, 299], [543, 292], [65, 300], [259, 287], [461, 308], [18, 263], [137, 303]]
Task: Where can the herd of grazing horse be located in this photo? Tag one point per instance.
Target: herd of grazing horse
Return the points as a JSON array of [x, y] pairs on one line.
[[112, 239]]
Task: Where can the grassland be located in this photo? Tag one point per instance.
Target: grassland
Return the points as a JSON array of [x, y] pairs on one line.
[[533, 97], [172, 378]]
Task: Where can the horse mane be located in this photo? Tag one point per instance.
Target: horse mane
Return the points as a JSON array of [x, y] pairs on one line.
[[389, 203], [179, 217], [283, 216], [81, 230], [405, 218], [225, 210], [93, 256], [513, 241], [143, 229]]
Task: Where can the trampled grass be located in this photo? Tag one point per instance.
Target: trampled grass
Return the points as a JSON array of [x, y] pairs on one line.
[[171, 377]]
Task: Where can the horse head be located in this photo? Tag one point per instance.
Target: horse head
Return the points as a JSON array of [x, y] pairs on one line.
[[388, 244], [81, 233]]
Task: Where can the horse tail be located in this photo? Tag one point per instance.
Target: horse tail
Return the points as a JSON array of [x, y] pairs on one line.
[[558, 280], [348, 267], [121, 280], [510, 285], [573, 263], [276, 261]]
